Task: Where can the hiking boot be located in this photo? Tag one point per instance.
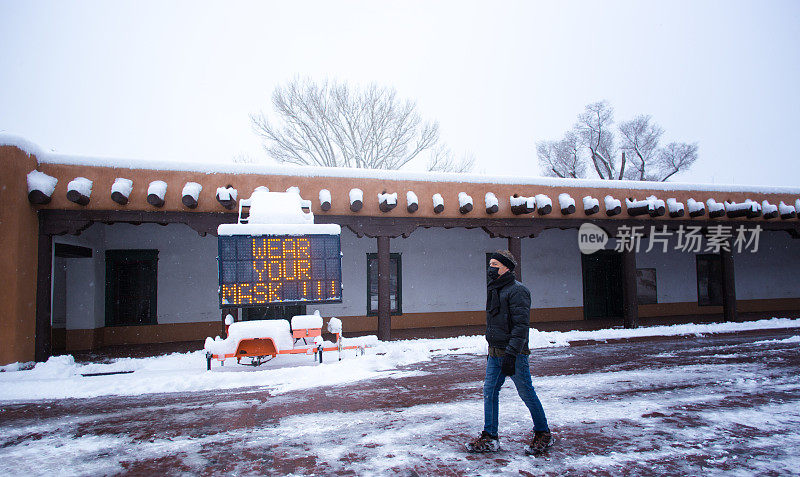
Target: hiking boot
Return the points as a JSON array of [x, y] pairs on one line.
[[485, 443], [540, 443]]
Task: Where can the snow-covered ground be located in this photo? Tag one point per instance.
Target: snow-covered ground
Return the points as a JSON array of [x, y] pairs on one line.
[[61, 377], [697, 404]]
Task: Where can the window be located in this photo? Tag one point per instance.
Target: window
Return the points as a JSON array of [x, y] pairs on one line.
[[395, 284], [131, 287], [709, 280]]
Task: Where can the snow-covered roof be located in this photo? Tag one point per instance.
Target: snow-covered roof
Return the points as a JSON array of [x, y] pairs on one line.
[[45, 157]]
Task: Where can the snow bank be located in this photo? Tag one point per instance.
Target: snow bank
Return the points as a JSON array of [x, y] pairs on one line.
[[60, 377]]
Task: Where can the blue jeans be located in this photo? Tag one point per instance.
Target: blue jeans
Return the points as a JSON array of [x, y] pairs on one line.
[[522, 380]]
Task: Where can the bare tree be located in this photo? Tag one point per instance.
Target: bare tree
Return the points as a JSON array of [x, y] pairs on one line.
[[562, 158], [442, 159], [332, 124], [640, 138], [593, 139], [594, 127], [674, 158], [243, 158]]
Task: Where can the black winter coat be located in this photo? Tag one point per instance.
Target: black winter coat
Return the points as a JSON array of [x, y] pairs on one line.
[[508, 308]]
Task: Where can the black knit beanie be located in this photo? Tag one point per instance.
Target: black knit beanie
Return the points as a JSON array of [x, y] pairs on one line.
[[507, 260]]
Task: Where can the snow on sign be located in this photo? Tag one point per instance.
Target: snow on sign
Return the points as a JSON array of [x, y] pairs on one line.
[[259, 270], [277, 254]]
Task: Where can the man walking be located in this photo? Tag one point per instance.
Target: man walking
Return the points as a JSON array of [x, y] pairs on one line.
[[508, 304]]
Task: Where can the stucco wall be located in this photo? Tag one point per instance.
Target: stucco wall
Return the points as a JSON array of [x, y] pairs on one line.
[[773, 272], [551, 268], [187, 268], [19, 230], [443, 270]]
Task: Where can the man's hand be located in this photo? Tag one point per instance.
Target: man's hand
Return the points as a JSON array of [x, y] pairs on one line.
[[509, 364]]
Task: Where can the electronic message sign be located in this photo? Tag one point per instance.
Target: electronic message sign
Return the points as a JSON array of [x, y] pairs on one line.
[[279, 269]]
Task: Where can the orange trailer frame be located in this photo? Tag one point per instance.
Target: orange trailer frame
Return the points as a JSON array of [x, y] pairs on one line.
[[259, 348]]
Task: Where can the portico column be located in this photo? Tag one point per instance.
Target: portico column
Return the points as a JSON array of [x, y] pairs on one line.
[[515, 247], [630, 306], [44, 273], [728, 287], [384, 305]]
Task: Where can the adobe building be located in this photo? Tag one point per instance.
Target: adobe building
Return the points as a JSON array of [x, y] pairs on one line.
[[99, 252]]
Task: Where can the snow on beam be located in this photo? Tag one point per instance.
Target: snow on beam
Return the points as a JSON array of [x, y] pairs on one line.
[[657, 206], [787, 211], [386, 201], [40, 187], [325, 200], [637, 207], [492, 204], [412, 201], [121, 190], [748, 208], [696, 209], [190, 196], [770, 210], [543, 204], [613, 206], [522, 205], [79, 190], [591, 205], [566, 203], [227, 196], [675, 208], [715, 209], [464, 203], [156, 192], [356, 199], [438, 203]]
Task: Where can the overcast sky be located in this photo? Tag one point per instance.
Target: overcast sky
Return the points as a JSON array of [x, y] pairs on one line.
[[178, 80]]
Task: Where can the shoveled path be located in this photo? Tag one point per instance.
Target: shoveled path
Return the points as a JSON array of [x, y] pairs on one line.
[[710, 405]]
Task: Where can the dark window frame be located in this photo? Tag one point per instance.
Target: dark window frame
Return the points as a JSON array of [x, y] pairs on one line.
[[398, 293], [706, 299], [115, 257]]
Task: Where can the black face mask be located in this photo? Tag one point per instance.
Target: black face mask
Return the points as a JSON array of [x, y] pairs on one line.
[[492, 274]]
